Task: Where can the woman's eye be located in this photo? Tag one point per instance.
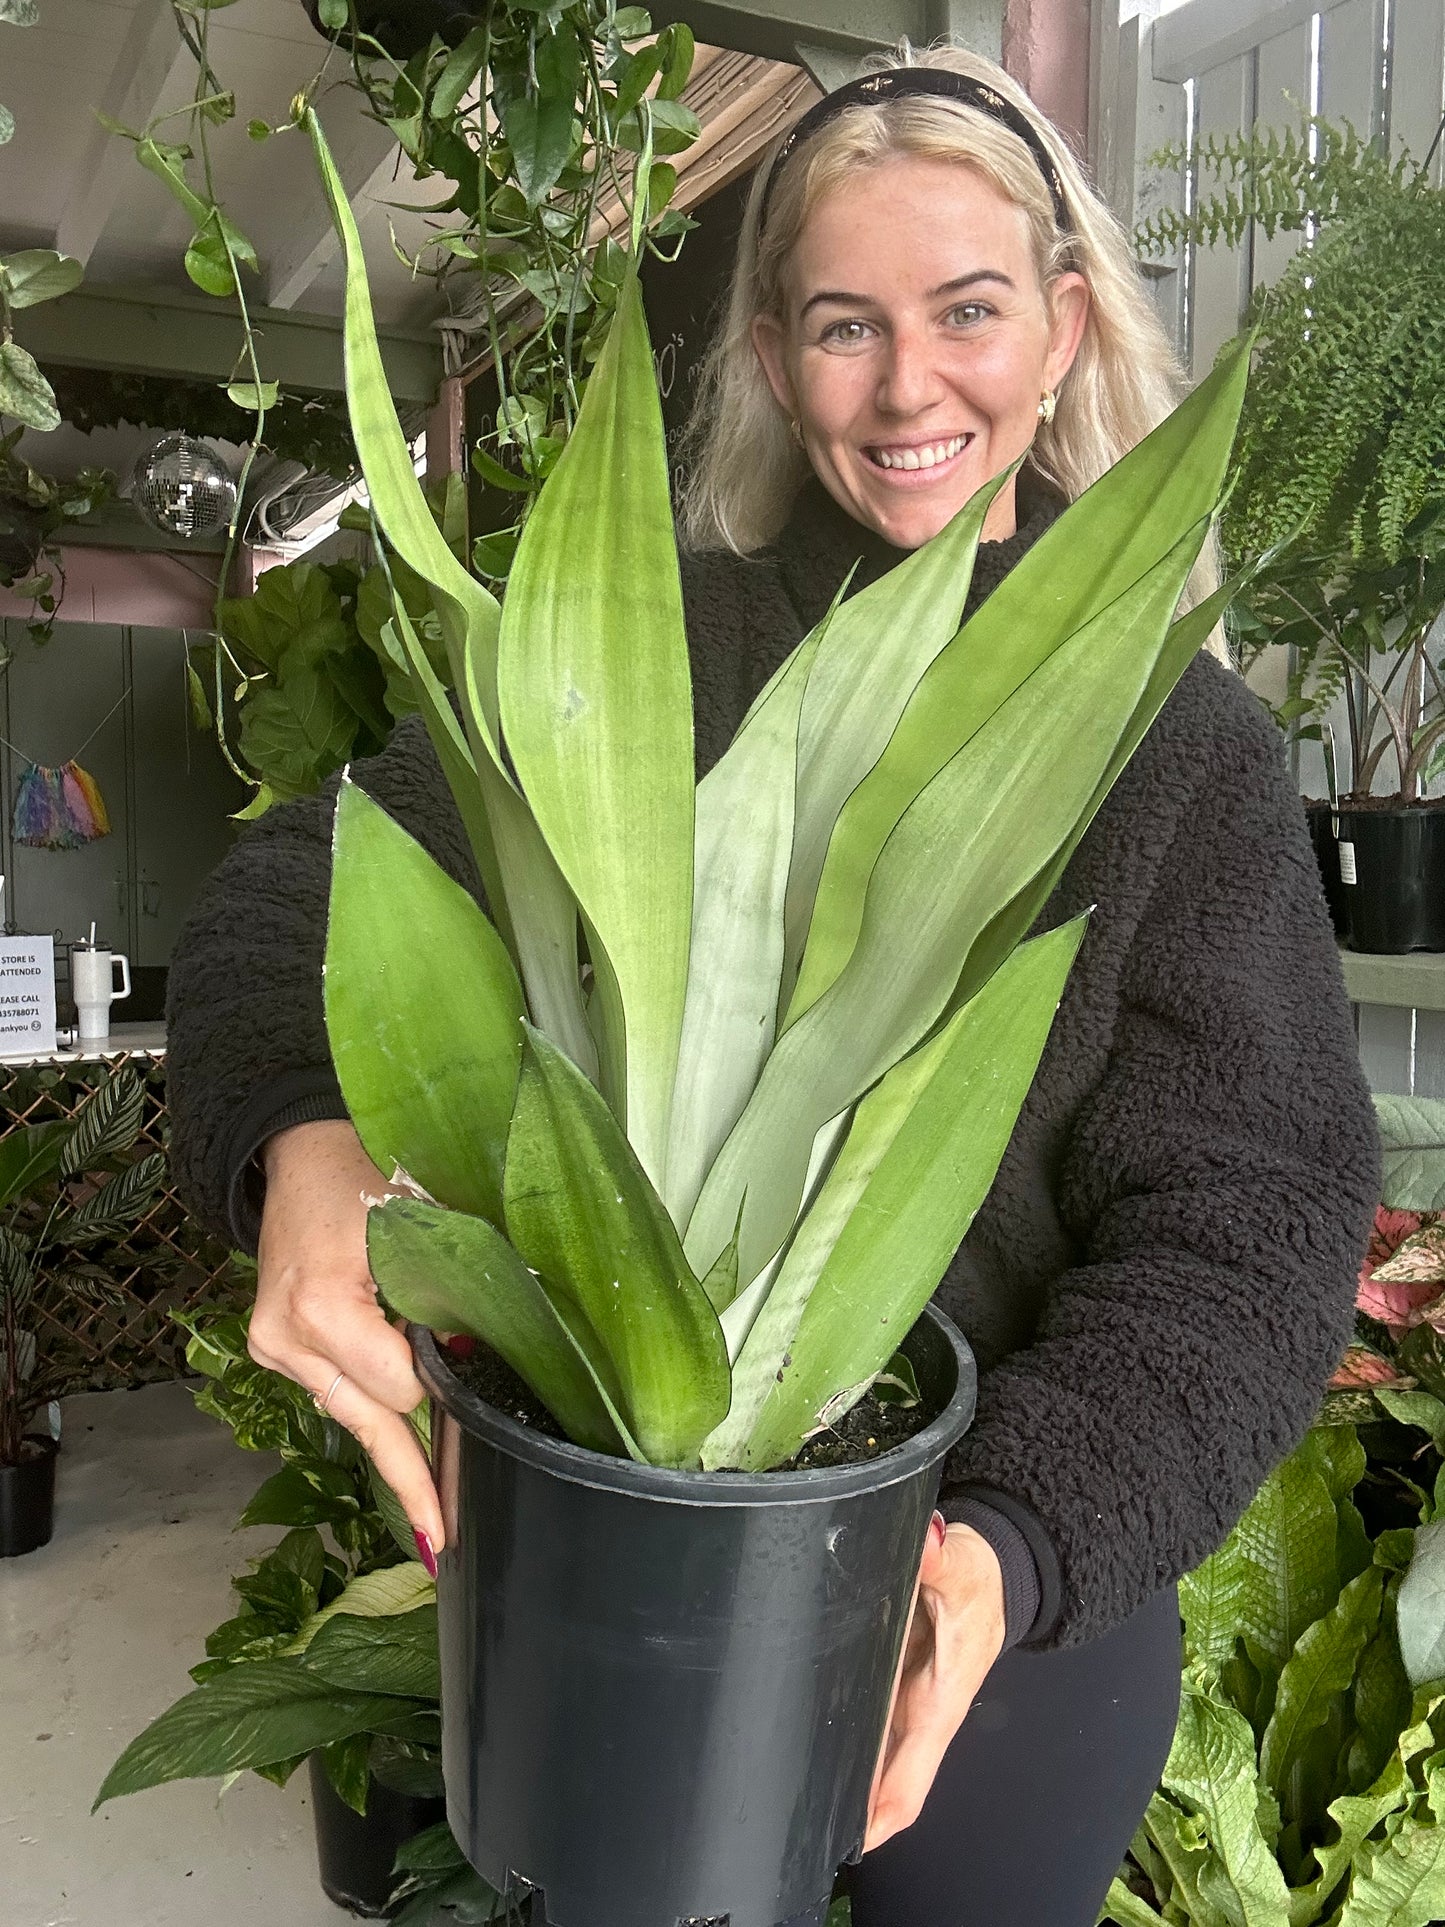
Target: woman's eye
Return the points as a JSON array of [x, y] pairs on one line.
[[968, 313], [846, 333]]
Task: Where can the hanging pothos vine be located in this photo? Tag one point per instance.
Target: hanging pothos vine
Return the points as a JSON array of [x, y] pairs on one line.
[[544, 126]]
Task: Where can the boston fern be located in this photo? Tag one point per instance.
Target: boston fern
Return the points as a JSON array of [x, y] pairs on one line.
[[1339, 475], [690, 1135]]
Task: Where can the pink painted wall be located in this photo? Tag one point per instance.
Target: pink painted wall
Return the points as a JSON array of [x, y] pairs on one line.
[[1046, 49], [155, 590]]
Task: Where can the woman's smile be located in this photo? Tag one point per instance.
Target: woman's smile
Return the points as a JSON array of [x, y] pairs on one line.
[[918, 464]]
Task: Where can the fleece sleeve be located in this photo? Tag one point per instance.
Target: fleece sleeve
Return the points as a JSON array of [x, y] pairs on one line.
[[1219, 1184], [246, 1036]]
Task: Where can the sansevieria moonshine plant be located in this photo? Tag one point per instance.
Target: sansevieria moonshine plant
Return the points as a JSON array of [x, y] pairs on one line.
[[697, 1111]]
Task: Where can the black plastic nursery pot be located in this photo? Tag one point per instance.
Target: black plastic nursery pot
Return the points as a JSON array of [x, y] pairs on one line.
[[1320, 817], [357, 1851], [663, 1693], [1396, 857], [27, 1497], [404, 27]]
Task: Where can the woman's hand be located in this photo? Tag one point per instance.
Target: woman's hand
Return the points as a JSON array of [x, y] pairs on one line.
[[317, 1313], [954, 1636]]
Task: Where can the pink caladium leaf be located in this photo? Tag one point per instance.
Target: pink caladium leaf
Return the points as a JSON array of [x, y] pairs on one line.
[[1420, 1260], [1364, 1369], [1396, 1304]]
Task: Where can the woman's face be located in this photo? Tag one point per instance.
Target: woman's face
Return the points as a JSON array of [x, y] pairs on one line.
[[916, 343]]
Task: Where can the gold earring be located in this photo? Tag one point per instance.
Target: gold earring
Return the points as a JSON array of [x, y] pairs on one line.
[[1046, 407], [795, 429]]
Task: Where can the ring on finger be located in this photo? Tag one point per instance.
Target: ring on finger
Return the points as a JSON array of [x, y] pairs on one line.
[[321, 1403]]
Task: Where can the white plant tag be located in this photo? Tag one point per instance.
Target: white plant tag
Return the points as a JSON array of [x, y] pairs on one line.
[[1347, 862]]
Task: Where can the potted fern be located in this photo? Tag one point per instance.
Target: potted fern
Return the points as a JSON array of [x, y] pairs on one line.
[[64, 1186], [1339, 491], [685, 1142]]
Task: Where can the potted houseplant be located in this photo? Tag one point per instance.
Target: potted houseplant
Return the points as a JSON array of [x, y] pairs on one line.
[[1307, 1779], [686, 1143], [63, 1186], [346, 1555], [1338, 499]]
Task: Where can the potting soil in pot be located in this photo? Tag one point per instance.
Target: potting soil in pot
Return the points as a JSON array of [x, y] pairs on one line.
[[870, 1429]]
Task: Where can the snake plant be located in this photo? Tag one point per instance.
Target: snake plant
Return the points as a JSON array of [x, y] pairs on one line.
[[697, 1110]]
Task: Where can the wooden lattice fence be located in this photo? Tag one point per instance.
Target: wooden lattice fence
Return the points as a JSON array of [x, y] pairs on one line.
[[164, 1263]]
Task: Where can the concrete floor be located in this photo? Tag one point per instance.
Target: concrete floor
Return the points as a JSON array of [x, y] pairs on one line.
[[97, 1630]]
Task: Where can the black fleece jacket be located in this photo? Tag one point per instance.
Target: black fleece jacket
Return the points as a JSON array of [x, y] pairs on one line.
[[1161, 1279]]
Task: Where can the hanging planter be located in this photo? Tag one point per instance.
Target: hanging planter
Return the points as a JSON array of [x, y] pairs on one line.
[[665, 1691], [27, 1497], [1392, 859]]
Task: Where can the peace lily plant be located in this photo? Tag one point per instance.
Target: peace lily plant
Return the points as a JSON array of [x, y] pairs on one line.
[[695, 1114]]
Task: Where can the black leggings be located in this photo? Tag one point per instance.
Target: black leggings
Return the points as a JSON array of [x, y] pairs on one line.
[[1039, 1796]]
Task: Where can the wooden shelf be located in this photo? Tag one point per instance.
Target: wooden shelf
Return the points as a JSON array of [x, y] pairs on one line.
[[1415, 981]]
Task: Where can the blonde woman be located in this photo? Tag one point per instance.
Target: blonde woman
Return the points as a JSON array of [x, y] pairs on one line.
[[1161, 1280]]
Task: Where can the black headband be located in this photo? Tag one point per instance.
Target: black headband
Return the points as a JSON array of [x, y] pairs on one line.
[[894, 82]]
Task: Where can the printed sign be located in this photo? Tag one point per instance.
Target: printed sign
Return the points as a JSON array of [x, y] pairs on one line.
[[27, 996]]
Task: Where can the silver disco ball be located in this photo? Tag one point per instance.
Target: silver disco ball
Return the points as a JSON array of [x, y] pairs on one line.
[[180, 484]]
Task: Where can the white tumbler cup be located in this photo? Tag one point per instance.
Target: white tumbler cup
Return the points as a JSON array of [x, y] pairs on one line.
[[93, 986]]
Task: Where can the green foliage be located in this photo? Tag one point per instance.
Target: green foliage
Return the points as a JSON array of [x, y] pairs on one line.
[[1337, 480], [64, 1186], [841, 1181], [1306, 1783]]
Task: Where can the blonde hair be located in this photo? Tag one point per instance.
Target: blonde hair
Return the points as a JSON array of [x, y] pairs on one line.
[[745, 467]]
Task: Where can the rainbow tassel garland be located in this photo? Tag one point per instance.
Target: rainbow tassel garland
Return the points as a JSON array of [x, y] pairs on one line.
[[59, 809]]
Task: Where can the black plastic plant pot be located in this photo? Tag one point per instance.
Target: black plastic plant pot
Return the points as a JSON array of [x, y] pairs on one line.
[[1321, 820], [663, 1693], [1396, 858], [27, 1497], [357, 1851]]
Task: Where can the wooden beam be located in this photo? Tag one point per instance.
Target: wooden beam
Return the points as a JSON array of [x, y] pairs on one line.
[[1198, 37], [365, 154], [152, 72]]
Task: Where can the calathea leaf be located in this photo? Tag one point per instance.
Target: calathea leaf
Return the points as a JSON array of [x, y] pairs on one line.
[[455, 1273], [423, 1010], [107, 1123], [118, 1202], [582, 1213]]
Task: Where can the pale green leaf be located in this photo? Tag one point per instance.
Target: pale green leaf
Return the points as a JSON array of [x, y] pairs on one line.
[[1420, 1607], [1318, 1672], [373, 1595], [581, 1212], [29, 1155], [594, 687], [1400, 1881], [1412, 1136], [1126, 1909], [38, 274], [423, 1010], [246, 394], [1209, 1601], [918, 1160], [455, 1273], [1118, 533], [1211, 1769], [1287, 1550], [981, 828], [25, 394], [524, 889], [1355, 1818]]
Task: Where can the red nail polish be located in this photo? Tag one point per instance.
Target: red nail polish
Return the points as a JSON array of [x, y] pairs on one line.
[[424, 1551]]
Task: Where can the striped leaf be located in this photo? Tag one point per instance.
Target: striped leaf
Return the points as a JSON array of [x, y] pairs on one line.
[[595, 703], [423, 1010], [106, 1123]]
